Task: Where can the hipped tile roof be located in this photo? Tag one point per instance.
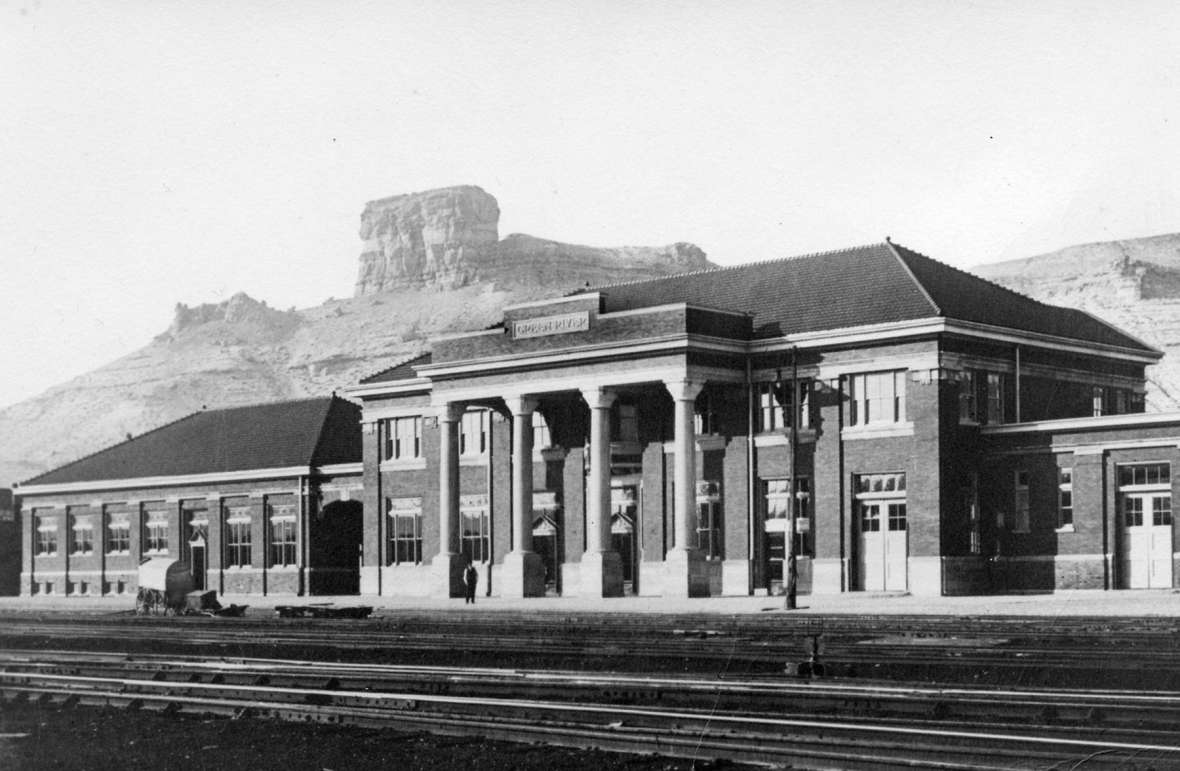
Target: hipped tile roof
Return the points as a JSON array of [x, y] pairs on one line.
[[860, 286], [306, 432]]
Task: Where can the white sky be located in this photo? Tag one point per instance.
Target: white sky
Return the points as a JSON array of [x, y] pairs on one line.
[[162, 152]]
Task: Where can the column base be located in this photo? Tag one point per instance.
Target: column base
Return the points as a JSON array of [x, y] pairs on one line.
[[601, 575], [685, 574], [827, 575], [448, 575], [522, 575]]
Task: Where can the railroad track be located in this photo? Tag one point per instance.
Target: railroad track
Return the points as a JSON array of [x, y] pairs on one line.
[[1141, 653], [1012, 709], [683, 719]]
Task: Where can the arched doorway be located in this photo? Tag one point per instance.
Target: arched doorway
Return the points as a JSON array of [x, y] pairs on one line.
[[336, 549]]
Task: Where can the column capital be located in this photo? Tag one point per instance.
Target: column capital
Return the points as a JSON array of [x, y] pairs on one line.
[[598, 398], [684, 390], [521, 405], [449, 412]]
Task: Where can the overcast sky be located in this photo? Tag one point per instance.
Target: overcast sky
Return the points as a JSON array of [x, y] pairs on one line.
[[161, 152]]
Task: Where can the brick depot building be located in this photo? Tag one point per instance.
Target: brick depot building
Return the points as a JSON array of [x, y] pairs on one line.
[[260, 499], [929, 432]]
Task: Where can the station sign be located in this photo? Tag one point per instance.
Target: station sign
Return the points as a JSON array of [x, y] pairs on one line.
[[543, 326]]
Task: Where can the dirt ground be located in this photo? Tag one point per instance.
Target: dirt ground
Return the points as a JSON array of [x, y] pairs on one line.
[[35, 737]]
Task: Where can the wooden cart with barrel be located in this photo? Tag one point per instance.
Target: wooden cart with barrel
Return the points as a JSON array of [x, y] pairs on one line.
[[163, 584]]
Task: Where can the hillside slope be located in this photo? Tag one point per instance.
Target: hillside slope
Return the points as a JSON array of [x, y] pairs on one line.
[[1134, 284], [432, 274]]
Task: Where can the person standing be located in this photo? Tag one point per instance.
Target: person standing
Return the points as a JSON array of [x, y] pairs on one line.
[[470, 579]]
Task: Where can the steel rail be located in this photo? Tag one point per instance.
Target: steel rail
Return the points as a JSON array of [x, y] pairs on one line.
[[917, 740]]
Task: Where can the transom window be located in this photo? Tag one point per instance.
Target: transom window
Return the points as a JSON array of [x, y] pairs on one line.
[[283, 543], [1145, 474], [868, 484], [876, 398], [405, 530], [403, 438], [995, 398]]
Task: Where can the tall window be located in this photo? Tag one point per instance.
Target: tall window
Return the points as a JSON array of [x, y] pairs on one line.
[[626, 423], [1099, 402], [474, 528], [237, 538], [778, 507], [473, 434], [1065, 498], [119, 533], [709, 520], [1020, 504], [969, 396], [704, 415], [156, 532], [403, 438], [970, 497], [281, 519], [405, 530], [876, 398], [541, 438], [776, 404], [46, 536], [81, 535], [995, 398]]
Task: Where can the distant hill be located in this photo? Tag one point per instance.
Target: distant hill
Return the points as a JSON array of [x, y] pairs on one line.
[[432, 263], [1133, 283]]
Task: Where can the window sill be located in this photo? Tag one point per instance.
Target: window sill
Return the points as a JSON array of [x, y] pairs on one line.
[[882, 431], [403, 465], [1065, 529]]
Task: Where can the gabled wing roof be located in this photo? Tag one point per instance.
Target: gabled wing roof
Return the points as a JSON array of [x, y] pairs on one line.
[[307, 432], [860, 286]]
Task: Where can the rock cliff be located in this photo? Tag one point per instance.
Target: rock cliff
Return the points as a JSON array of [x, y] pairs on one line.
[[431, 263], [448, 238], [1132, 283]]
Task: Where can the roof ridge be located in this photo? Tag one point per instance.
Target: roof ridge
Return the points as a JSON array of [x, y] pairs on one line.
[[323, 422], [396, 363], [910, 272], [976, 276], [722, 268], [109, 447]]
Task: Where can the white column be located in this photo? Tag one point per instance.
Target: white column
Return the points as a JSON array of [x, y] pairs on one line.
[[685, 570], [448, 563], [523, 573], [602, 569], [684, 394]]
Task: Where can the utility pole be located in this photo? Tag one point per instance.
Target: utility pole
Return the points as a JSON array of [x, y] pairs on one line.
[[792, 577]]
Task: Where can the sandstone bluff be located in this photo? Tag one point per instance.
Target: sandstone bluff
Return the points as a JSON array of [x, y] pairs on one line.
[[431, 263], [449, 238]]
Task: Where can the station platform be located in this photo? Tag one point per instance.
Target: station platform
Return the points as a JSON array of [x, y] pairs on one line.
[[1095, 603]]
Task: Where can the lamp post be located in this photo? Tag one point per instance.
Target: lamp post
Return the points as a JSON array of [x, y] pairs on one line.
[[792, 577]]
